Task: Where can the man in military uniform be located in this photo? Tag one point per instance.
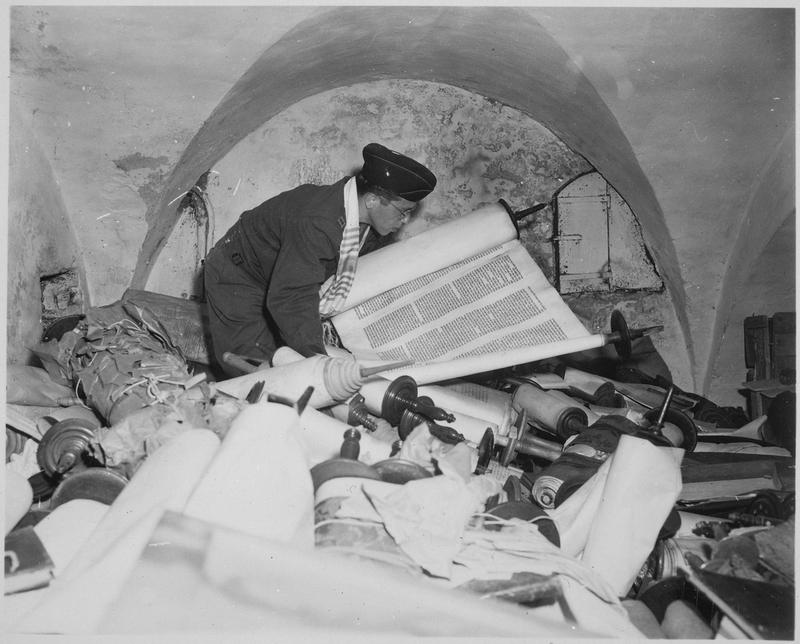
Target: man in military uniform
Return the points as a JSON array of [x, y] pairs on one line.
[[290, 261]]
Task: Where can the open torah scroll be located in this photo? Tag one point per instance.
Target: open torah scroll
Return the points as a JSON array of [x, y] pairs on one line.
[[461, 298]]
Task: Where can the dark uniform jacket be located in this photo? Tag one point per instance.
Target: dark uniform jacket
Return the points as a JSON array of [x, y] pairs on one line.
[[277, 256]]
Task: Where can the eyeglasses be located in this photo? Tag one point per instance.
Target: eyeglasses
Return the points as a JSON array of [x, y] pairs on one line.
[[404, 212]]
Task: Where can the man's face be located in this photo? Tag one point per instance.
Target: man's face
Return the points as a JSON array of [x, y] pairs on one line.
[[388, 215]]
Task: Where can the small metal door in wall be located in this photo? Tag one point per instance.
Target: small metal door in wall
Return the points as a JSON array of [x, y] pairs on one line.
[[581, 238], [599, 245]]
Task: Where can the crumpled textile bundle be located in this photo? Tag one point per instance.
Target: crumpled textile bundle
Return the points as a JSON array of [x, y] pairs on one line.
[[518, 546], [420, 446], [439, 524], [426, 517], [126, 444], [123, 360], [29, 385]]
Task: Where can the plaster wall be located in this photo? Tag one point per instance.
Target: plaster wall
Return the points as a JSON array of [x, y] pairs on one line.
[[706, 110], [43, 242], [760, 277], [114, 94], [772, 290]]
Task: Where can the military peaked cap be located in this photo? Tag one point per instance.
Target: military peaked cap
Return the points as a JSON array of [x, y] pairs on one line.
[[397, 173]]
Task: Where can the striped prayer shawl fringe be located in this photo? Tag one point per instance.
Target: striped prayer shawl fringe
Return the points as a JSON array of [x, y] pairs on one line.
[[334, 291]]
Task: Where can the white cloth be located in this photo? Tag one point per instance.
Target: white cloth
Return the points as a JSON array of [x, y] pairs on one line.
[[334, 292], [614, 518], [259, 482], [72, 603], [64, 531], [18, 497], [426, 517]]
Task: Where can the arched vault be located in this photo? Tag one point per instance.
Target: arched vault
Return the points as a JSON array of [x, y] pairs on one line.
[[515, 62]]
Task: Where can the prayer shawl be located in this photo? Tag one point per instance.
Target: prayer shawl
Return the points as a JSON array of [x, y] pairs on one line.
[[334, 292]]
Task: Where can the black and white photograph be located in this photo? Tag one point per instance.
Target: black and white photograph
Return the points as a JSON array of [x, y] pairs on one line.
[[385, 321]]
